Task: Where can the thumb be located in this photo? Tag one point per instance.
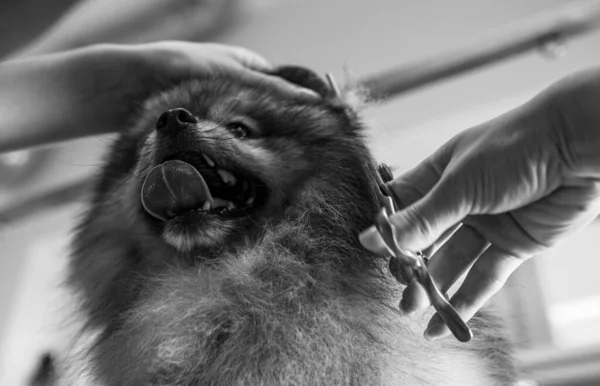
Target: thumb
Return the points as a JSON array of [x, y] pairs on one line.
[[425, 221], [247, 58], [422, 223]]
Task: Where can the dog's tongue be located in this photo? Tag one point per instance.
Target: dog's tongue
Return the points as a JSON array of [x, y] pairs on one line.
[[174, 187]]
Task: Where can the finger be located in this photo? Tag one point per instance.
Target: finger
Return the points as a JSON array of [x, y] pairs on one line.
[[413, 297], [456, 256], [240, 55], [258, 65], [434, 215], [280, 86], [412, 185], [487, 276], [432, 250], [408, 188], [247, 58], [424, 222], [371, 240], [447, 265]]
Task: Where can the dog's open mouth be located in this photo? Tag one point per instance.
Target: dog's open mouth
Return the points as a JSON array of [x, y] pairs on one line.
[[192, 184]]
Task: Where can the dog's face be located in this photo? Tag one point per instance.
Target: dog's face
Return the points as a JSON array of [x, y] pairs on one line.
[[216, 157]]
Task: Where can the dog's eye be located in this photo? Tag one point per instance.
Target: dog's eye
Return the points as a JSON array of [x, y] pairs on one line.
[[239, 129]]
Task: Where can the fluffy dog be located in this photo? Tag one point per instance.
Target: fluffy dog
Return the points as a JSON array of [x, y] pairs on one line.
[[221, 248]]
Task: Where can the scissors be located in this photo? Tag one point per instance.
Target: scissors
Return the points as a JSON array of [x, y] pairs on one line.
[[406, 265]]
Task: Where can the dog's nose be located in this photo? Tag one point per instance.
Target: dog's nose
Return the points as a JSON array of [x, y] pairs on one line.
[[173, 121]]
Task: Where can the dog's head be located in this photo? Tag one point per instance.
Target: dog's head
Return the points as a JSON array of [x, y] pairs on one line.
[[216, 157]]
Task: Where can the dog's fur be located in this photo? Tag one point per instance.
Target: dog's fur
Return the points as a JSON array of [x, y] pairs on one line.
[[286, 296]]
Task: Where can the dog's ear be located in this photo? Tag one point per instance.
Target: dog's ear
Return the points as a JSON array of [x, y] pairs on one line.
[[306, 78]]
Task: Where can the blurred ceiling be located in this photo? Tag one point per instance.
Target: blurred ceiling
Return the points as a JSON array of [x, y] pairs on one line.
[[22, 20]]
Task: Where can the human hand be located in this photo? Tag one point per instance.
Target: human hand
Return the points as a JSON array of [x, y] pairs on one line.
[[518, 184], [94, 90], [116, 78]]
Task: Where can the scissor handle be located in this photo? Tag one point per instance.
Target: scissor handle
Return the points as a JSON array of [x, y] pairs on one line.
[[405, 265], [447, 312]]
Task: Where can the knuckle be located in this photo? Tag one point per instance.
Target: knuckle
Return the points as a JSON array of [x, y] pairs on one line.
[[405, 194], [491, 281], [493, 275], [413, 228], [247, 57], [464, 304]]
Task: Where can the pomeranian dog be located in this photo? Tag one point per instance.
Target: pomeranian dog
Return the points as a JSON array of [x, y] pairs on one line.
[[221, 248]]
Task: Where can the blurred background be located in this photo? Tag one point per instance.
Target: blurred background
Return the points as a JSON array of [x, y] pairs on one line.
[[552, 305]]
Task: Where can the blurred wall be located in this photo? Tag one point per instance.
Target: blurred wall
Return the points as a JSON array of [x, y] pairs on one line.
[[365, 36]]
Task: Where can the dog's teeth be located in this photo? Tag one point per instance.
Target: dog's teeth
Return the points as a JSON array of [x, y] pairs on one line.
[[228, 178], [206, 205], [208, 160], [252, 196]]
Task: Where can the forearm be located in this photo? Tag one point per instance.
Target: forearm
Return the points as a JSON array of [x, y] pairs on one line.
[[62, 96], [33, 103]]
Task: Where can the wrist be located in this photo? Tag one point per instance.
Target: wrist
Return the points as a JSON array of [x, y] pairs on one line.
[[30, 95], [574, 105]]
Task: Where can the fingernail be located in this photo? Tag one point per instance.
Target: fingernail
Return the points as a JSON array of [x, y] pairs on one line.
[[434, 332], [436, 329], [364, 235], [369, 239], [408, 306], [428, 335], [303, 90], [309, 92], [405, 308]]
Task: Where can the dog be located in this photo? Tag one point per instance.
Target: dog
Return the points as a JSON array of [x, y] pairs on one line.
[[220, 247]]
